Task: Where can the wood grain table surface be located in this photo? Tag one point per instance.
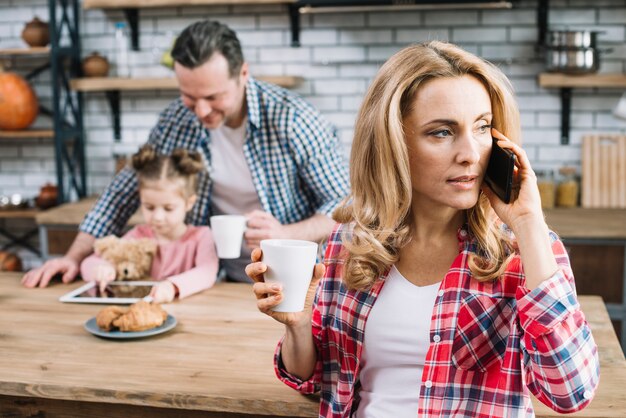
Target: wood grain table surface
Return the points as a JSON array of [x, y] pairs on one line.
[[217, 362]]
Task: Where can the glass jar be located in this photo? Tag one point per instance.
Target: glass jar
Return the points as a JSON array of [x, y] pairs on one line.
[[567, 190], [545, 182]]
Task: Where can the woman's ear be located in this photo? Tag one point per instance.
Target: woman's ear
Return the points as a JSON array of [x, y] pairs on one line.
[[191, 200]]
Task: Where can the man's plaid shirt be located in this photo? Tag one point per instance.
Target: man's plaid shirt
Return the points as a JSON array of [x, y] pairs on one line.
[[491, 342], [292, 152]]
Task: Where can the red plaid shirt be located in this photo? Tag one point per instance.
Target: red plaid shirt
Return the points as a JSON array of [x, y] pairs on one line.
[[491, 342]]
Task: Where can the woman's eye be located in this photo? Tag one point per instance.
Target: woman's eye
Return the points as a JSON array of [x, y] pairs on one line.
[[442, 133], [484, 129]]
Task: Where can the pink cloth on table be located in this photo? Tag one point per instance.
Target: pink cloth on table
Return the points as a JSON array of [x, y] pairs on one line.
[[190, 262]]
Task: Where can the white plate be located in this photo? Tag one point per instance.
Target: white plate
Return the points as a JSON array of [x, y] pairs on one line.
[[92, 327]]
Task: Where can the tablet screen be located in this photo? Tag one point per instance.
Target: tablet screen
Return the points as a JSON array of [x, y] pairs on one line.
[[115, 292]]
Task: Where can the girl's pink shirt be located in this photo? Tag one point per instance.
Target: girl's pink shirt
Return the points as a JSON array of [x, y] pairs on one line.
[[190, 262]]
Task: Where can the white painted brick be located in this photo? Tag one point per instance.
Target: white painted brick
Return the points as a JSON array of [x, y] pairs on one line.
[[299, 55], [339, 20], [351, 103], [8, 151], [409, 36], [608, 121], [322, 103], [97, 121], [36, 151], [492, 52], [524, 85], [262, 39], [487, 35], [527, 119], [145, 120], [613, 15], [451, 18], [541, 137], [559, 153], [358, 70], [539, 103], [8, 166], [338, 54], [381, 53], [570, 17], [38, 179], [368, 36], [315, 37], [593, 103], [509, 17], [408, 18], [259, 9], [525, 34], [268, 69], [334, 87], [312, 71], [610, 67], [273, 21]]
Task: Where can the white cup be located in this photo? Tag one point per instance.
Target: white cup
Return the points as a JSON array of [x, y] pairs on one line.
[[290, 262], [228, 234]]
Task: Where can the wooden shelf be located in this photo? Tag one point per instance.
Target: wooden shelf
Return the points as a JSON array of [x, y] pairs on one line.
[[28, 133], [559, 80], [566, 82], [587, 223], [141, 4], [168, 83], [41, 50]]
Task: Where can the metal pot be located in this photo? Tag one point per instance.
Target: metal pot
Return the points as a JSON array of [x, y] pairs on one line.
[[572, 39], [572, 61]]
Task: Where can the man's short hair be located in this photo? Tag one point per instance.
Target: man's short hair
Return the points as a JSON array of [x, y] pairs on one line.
[[199, 41]]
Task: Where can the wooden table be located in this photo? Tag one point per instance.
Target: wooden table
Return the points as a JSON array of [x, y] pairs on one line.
[[216, 363]]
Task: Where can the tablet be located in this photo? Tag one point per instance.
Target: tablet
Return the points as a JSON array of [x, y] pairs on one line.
[[115, 293]]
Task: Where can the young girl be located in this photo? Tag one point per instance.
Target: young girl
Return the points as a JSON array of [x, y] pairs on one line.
[[186, 261], [438, 299]]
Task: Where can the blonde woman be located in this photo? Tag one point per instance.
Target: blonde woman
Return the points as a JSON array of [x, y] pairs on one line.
[[437, 299]]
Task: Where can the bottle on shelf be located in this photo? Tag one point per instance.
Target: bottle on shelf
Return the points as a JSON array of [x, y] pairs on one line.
[[567, 189], [545, 182], [122, 47]]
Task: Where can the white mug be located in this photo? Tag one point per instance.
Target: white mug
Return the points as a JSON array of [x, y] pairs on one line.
[[228, 234], [290, 262]]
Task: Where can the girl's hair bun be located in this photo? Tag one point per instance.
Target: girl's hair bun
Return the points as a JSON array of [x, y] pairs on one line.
[[187, 162], [145, 157]]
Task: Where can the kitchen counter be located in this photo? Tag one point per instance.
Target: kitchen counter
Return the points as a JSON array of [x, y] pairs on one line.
[[216, 363]]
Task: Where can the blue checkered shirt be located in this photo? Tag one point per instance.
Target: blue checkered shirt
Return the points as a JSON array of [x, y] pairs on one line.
[[292, 151]]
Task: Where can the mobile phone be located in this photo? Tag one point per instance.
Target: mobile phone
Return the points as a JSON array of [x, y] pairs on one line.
[[500, 170]]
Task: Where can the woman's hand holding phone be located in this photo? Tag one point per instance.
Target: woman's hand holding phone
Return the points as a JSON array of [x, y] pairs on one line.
[[527, 203]]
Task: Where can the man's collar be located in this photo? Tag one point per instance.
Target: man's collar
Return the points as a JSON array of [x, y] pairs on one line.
[[252, 100]]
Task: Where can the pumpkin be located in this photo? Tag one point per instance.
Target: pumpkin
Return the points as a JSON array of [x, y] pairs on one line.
[[18, 104], [10, 261]]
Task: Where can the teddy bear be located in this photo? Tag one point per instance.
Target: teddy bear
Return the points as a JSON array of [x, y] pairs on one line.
[[131, 258]]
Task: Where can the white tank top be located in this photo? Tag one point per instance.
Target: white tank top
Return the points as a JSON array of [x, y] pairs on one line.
[[396, 340]]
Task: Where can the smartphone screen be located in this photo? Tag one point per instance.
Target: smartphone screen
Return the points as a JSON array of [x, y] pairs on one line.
[[500, 169]]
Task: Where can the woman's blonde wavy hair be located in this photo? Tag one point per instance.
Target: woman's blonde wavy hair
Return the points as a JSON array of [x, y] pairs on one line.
[[379, 205]]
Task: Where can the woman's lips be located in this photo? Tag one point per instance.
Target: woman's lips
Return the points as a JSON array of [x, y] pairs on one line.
[[463, 182]]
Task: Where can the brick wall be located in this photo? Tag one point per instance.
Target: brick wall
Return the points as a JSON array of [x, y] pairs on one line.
[[339, 55]]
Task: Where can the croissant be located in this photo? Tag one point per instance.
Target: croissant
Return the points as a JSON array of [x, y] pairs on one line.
[[106, 316], [140, 317]]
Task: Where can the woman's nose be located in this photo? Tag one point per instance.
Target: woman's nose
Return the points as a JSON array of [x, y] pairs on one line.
[[469, 149]]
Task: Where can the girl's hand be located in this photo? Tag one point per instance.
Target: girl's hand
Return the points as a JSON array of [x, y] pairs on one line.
[[105, 274], [527, 204], [163, 292], [270, 295]]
